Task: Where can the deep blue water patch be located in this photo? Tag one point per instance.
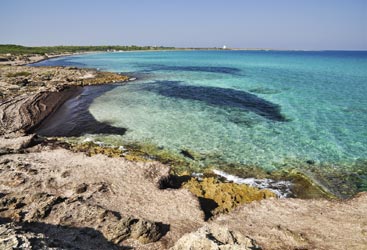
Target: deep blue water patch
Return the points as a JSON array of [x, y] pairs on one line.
[[264, 91], [63, 61], [223, 97], [208, 69]]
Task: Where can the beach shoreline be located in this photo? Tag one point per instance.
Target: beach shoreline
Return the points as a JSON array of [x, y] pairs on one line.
[[27, 104]]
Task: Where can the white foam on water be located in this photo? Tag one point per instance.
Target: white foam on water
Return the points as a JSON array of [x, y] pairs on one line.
[[280, 188], [88, 139]]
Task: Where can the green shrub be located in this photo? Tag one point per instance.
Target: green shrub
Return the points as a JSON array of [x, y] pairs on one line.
[[18, 49], [16, 74]]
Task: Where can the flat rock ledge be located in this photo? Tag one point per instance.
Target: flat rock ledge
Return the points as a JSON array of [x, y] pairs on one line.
[[116, 201], [279, 224], [71, 212]]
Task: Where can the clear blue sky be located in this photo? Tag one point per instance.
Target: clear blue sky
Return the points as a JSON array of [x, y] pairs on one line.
[[280, 24]]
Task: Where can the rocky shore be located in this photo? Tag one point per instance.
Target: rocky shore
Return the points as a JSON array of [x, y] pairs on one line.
[[24, 59], [30, 94], [55, 197]]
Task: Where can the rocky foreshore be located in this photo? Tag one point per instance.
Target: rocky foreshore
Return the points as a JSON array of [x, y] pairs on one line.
[[55, 197], [24, 59], [30, 94]]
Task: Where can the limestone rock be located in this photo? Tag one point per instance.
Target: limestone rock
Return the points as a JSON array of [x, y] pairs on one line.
[[40, 236], [279, 224], [81, 188], [226, 195], [12, 238], [142, 230], [42, 204], [12, 143], [215, 237], [120, 231], [76, 211], [24, 112], [116, 190], [146, 231]]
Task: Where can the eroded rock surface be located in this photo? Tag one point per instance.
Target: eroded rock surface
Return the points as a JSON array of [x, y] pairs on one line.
[[215, 237], [75, 211], [40, 236], [29, 94], [302, 224], [22, 113], [119, 199], [17, 80]]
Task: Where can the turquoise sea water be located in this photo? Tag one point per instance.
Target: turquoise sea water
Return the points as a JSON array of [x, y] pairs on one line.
[[263, 108]]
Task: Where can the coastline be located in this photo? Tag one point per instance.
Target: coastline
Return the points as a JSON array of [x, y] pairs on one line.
[[23, 60], [28, 110]]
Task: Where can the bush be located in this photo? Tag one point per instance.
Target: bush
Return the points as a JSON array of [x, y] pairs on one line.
[[18, 49], [16, 74]]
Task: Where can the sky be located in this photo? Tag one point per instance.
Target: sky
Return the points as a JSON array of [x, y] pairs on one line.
[[276, 24]]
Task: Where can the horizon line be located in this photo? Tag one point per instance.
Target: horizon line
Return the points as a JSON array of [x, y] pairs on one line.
[[189, 48]]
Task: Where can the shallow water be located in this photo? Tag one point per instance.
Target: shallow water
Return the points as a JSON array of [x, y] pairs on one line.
[[263, 108]]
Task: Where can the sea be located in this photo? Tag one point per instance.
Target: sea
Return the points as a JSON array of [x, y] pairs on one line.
[[269, 109]]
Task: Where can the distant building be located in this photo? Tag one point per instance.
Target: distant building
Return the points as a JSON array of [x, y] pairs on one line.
[[224, 47]]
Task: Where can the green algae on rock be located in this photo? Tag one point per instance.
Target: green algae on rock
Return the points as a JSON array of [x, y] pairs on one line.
[[326, 180], [90, 149], [226, 195], [310, 184]]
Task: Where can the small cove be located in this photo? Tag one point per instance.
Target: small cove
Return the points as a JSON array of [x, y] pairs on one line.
[[272, 110]]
